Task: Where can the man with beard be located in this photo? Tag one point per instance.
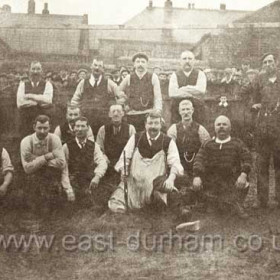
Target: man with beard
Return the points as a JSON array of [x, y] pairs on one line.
[[66, 131], [149, 155], [142, 90], [265, 90], [187, 83], [86, 165], [42, 160], [95, 95], [112, 139], [221, 169], [34, 97]]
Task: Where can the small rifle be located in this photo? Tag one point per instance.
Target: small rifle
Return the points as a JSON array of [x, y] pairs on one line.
[[125, 181]]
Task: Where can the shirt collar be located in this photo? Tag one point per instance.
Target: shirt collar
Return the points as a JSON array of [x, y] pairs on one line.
[[80, 143], [149, 137], [92, 79], [36, 140], [70, 128], [140, 75], [222, 141], [187, 73]]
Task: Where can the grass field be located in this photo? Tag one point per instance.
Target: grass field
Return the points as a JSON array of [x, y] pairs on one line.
[[242, 249]]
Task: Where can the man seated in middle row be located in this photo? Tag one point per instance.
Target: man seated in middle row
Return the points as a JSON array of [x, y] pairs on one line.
[[189, 136], [66, 131], [86, 165], [112, 139]]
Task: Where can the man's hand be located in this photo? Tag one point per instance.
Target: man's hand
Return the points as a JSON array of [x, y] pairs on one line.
[[197, 184], [257, 106], [49, 156], [70, 196], [184, 92], [94, 182], [3, 190], [169, 185], [241, 181], [123, 176]]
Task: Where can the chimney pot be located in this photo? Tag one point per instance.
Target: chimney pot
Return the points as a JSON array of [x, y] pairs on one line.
[[45, 11], [189, 5], [192, 5], [31, 7], [222, 6], [168, 4], [85, 19], [150, 4]]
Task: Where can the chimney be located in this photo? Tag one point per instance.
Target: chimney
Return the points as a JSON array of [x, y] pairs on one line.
[[189, 6], [150, 4], [192, 6], [31, 7], [46, 11], [85, 19], [223, 6], [168, 4], [6, 9]]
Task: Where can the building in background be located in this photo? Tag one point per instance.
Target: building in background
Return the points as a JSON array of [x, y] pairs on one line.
[[218, 37]]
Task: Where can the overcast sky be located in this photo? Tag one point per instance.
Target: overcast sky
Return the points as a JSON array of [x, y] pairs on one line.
[[118, 11]]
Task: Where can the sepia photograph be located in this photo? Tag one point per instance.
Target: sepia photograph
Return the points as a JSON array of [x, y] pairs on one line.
[[139, 140]]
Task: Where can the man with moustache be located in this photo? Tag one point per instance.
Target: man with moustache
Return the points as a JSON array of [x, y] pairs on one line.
[[187, 83], [265, 90], [95, 95], [221, 169], [149, 155], [189, 136], [66, 131], [112, 139], [142, 90], [43, 161], [85, 167], [34, 97]]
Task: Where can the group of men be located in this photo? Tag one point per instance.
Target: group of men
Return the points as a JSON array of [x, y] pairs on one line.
[[112, 152]]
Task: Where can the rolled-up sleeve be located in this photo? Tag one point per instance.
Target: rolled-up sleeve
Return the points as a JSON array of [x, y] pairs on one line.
[[6, 162], [21, 100], [77, 97], [65, 181], [100, 161], [157, 93], [173, 159], [30, 162], [59, 158]]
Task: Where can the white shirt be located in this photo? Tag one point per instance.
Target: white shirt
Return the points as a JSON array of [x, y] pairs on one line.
[[197, 90], [43, 99], [173, 159]]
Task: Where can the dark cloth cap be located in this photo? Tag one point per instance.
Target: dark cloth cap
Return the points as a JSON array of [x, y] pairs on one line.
[[140, 55], [267, 54]]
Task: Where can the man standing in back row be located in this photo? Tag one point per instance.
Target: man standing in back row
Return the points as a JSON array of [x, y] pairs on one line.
[[95, 95], [187, 83], [142, 90]]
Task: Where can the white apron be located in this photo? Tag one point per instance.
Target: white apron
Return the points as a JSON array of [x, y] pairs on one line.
[[140, 182]]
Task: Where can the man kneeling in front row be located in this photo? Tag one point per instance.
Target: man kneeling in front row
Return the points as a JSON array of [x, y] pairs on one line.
[[149, 155], [42, 160], [221, 169], [86, 165]]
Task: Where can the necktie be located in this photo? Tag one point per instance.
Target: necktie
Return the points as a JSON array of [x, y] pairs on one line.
[[95, 84], [153, 141]]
